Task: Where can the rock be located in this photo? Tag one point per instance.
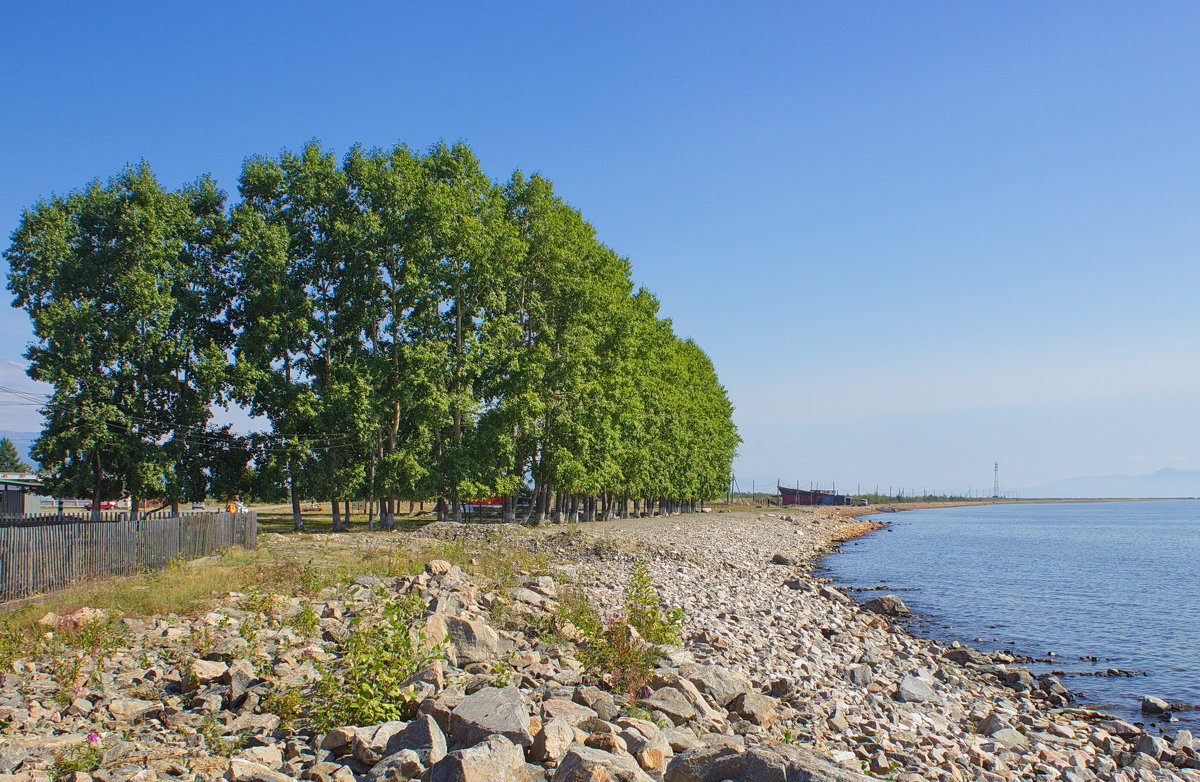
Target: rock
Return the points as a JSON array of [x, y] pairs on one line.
[[205, 672], [913, 690], [494, 759], [829, 593], [1118, 728], [133, 710], [491, 711], [646, 743], [721, 685], [398, 767], [1151, 745], [599, 701], [370, 744], [339, 740], [467, 641], [759, 709], [888, 605], [786, 558], [244, 771], [671, 702], [571, 713], [1009, 737], [1153, 705], [553, 740], [859, 675], [271, 756], [779, 763], [584, 764], [992, 723]]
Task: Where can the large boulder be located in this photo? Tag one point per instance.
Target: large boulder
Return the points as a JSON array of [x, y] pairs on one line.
[[888, 605], [467, 641], [491, 711], [422, 736], [913, 690], [779, 763], [721, 685], [584, 764], [495, 759], [672, 703]]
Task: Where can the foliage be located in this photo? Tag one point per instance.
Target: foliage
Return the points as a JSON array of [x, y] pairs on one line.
[[287, 703], [645, 610], [305, 621], [621, 647], [10, 457], [212, 731], [411, 329], [365, 686], [84, 756]]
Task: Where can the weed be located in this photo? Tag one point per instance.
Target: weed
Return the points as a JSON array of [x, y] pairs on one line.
[[285, 703], [84, 756], [14, 643], [366, 685], [305, 622], [502, 670], [201, 639], [248, 630], [213, 733], [68, 673], [645, 610]]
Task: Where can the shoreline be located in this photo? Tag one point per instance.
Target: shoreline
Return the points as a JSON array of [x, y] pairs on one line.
[[775, 669], [1006, 723]]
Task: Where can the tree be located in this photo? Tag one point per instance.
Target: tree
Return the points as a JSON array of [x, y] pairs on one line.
[[113, 279], [10, 458]]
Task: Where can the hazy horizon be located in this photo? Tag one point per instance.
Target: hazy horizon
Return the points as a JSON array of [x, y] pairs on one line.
[[915, 240]]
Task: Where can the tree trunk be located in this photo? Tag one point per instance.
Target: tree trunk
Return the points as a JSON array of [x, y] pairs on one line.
[[337, 519], [347, 513], [297, 516]]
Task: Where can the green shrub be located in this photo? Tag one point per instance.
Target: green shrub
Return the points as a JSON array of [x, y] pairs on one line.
[[645, 610], [621, 648], [305, 622], [365, 685]]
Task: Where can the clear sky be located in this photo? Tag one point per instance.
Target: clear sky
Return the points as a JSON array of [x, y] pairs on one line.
[[915, 237]]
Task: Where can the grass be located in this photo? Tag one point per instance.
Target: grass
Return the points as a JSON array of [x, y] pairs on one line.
[[298, 564]]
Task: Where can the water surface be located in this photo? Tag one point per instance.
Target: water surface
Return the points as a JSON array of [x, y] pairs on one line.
[[1114, 580]]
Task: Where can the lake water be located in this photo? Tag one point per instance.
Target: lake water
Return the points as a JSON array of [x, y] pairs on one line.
[[1119, 581]]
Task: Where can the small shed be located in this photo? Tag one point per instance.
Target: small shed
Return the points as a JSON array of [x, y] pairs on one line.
[[20, 493]]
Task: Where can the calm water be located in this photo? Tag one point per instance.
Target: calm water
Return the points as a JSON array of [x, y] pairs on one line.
[[1118, 581]]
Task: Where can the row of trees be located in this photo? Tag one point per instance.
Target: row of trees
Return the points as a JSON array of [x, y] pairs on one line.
[[410, 329]]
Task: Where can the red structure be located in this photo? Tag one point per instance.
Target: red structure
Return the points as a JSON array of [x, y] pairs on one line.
[[810, 497]]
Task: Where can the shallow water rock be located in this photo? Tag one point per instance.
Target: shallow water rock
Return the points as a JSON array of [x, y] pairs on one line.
[[888, 605], [1153, 705]]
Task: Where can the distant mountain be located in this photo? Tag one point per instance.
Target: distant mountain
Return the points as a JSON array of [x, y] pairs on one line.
[[23, 441], [1164, 483]]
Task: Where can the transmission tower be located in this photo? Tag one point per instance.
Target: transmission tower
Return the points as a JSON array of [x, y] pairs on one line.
[[996, 481]]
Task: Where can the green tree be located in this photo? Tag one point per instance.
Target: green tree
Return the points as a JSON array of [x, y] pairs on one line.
[[10, 458], [112, 278]]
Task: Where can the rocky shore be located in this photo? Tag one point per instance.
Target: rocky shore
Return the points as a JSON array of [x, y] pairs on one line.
[[775, 675]]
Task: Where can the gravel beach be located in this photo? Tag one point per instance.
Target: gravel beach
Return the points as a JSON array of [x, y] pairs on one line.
[[777, 676]]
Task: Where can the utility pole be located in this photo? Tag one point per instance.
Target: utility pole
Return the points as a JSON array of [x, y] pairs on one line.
[[996, 481]]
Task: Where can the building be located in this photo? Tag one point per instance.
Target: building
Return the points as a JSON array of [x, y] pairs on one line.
[[20, 493]]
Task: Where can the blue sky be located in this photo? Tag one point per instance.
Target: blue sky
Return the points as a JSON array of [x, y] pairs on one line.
[[915, 238]]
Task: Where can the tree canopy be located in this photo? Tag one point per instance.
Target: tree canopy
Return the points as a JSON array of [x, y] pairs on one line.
[[410, 329]]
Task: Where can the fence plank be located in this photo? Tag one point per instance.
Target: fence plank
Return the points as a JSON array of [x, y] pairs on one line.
[[44, 552]]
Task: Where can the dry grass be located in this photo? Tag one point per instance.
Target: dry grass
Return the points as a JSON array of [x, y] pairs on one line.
[[284, 564]]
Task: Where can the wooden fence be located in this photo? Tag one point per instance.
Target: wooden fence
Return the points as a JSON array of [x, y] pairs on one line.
[[47, 552]]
